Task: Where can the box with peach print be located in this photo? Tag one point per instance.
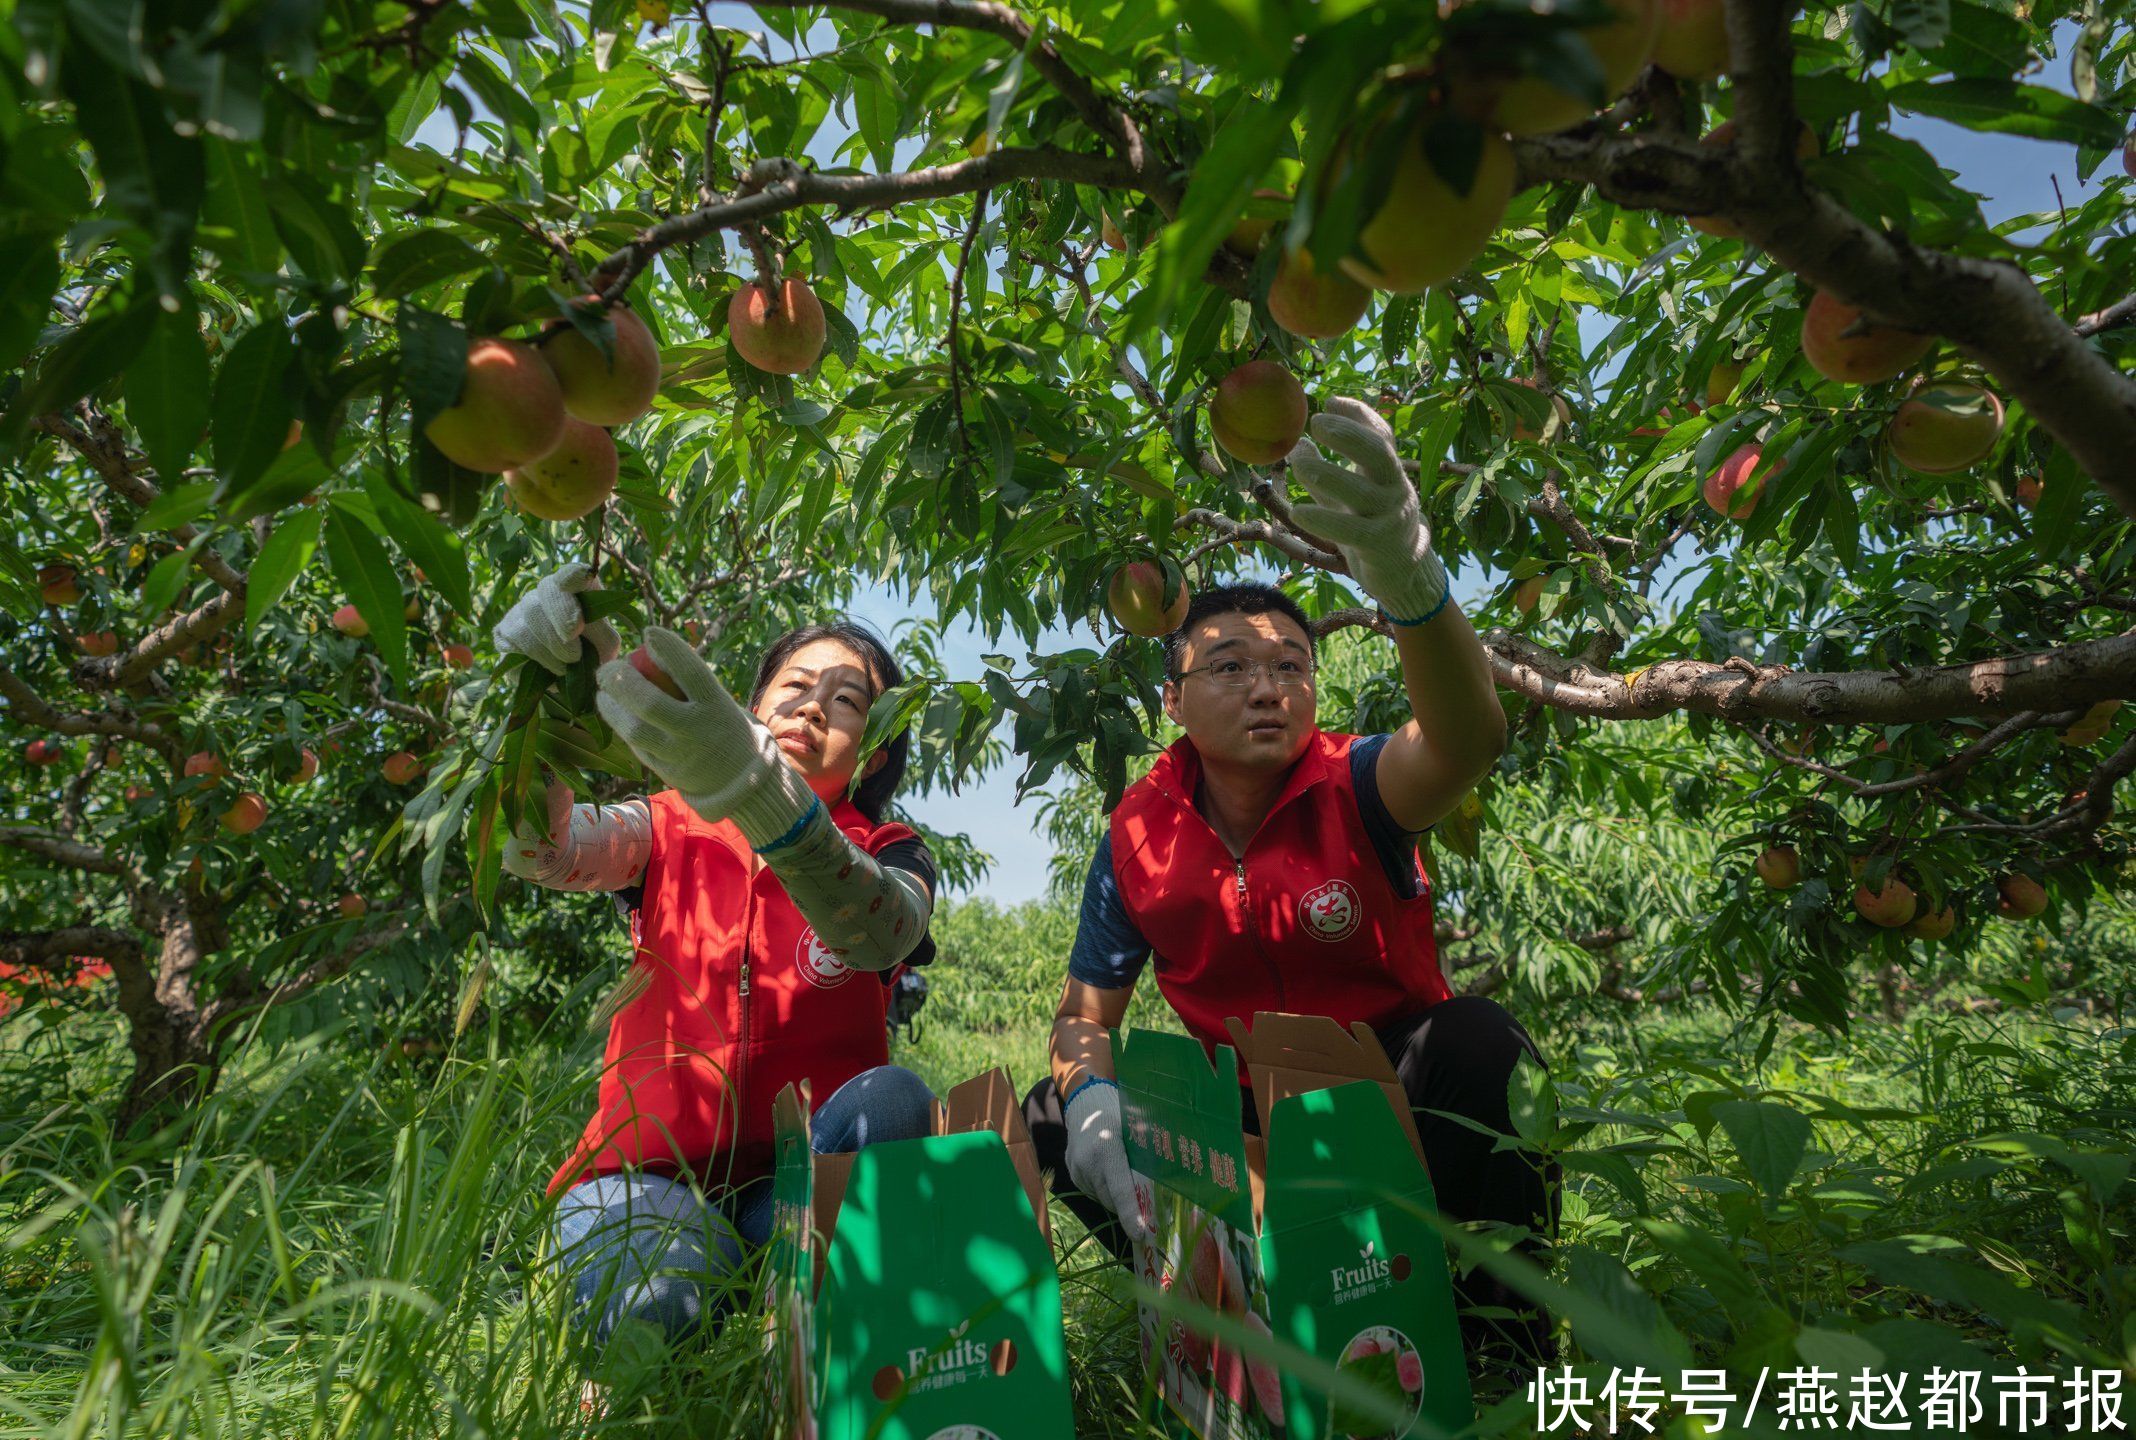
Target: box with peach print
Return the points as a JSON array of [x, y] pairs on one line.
[[911, 1293], [1319, 1235]]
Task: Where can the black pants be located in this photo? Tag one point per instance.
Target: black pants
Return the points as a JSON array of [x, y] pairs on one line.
[[1456, 1056]]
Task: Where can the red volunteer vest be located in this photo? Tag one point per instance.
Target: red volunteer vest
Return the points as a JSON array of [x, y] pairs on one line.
[[1304, 921], [743, 1000]]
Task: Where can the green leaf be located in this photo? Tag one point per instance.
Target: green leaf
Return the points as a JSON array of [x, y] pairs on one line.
[[433, 362], [287, 551], [295, 473], [237, 207], [1770, 1138], [252, 410], [322, 239], [1221, 184], [153, 175], [167, 393], [179, 505], [84, 358], [423, 540], [424, 258], [29, 274], [2008, 108], [167, 577], [365, 574]]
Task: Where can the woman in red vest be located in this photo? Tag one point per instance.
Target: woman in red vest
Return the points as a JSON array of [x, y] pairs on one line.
[[770, 884]]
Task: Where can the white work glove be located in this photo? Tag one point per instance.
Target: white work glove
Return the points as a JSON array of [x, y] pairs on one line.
[[1368, 509], [711, 751], [545, 623], [1097, 1155]]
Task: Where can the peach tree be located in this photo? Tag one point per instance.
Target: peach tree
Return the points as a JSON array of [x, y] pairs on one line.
[[1720, 391]]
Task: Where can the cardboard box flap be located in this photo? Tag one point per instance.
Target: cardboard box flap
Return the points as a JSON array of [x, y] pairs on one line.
[[990, 1102], [790, 1110], [940, 1300], [1288, 1055], [1182, 1118], [1328, 1148]]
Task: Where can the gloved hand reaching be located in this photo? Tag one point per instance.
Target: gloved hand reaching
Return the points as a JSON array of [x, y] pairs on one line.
[[716, 755], [1368, 509], [1097, 1154], [546, 623]]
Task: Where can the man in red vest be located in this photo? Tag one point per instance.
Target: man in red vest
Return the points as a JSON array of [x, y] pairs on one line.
[[1267, 864]]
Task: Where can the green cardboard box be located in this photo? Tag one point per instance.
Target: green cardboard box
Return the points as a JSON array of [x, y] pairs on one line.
[[911, 1289], [1314, 1235]]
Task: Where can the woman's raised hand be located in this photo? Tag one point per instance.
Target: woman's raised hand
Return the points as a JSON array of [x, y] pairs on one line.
[[546, 623], [705, 746]]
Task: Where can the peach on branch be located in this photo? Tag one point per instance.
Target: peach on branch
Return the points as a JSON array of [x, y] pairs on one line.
[[246, 814], [2029, 488], [642, 661], [307, 767], [57, 584], [2019, 896], [1247, 235], [1889, 907], [1946, 426], [352, 906], [1621, 44], [1147, 597], [400, 767], [780, 332], [350, 622], [2092, 725], [456, 655], [1842, 343], [1779, 867], [1730, 490], [1318, 304], [510, 409], [97, 643], [611, 389], [1258, 412], [1692, 41], [43, 752], [1932, 924], [571, 481], [1425, 231], [205, 762], [1722, 380]]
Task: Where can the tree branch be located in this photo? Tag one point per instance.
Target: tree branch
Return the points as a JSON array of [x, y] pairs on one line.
[[98, 441], [1109, 121], [325, 968], [72, 854], [26, 707], [1247, 532], [2053, 681], [786, 186], [53, 949]]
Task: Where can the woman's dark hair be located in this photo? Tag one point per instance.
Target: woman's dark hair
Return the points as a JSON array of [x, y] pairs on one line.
[[872, 798]]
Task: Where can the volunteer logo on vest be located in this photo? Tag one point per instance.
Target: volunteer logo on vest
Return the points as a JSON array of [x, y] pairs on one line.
[[818, 964], [1331, 911]]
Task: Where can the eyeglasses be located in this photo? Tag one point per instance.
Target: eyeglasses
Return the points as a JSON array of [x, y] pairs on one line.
[[1238, 674]]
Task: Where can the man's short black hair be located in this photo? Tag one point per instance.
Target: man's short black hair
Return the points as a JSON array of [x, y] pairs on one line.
[[1246, 597]]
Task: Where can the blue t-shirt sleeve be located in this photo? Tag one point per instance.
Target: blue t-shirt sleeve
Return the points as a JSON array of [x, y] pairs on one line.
[[1396, 847], [1109, 951]]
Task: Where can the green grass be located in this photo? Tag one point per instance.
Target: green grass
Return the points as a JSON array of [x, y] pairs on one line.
[[345, 1242]]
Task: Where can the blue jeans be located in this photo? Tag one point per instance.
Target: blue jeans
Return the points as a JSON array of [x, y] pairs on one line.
[[640, 1246]]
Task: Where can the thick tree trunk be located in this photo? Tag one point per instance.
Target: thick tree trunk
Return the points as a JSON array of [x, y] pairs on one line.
[[176, 1056]]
